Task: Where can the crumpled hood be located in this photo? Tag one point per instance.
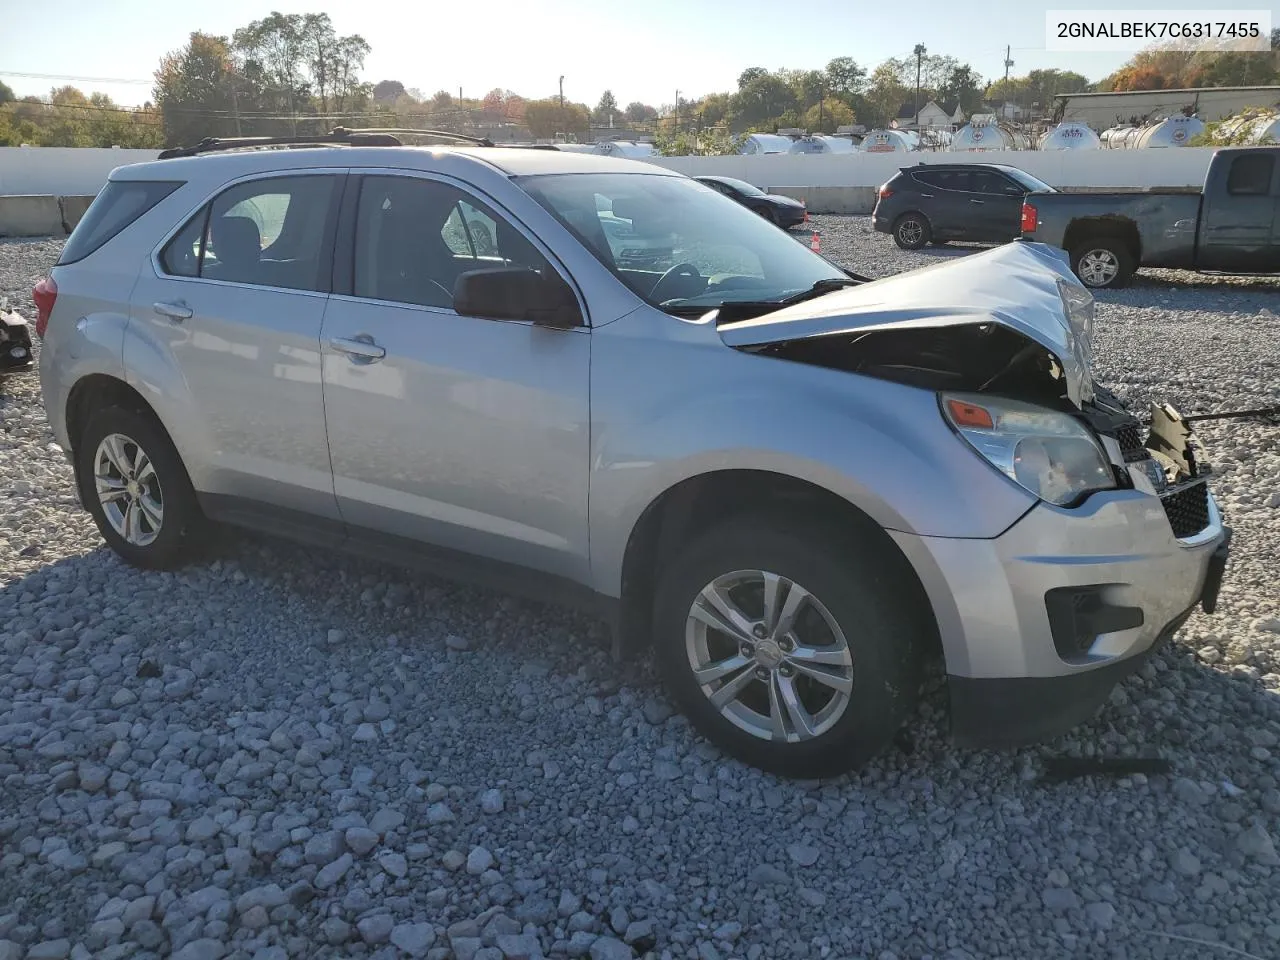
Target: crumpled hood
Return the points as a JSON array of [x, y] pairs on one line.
[[1027, 287]]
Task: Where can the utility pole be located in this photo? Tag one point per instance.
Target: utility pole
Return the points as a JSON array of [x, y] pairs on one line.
[[677, 126], [562, 94], [822, 91], [1007, 64], [919, 52]]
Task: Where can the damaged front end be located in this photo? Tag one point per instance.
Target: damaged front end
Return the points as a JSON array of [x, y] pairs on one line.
[[1012, 323], [15, 343]]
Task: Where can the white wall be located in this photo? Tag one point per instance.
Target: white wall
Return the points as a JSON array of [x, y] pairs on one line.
[[68, 171], [64, 171], [1174, 167]]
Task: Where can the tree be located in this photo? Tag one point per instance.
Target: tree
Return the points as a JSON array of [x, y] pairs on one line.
[[546, 118], [442, 100], [196, 91], [962, 85], [750, 74], [607, 108], [826, 117], [392, 90], [763, 99], [885, 95], [638, 112], [845, 78], [6, 94], [274, 51]]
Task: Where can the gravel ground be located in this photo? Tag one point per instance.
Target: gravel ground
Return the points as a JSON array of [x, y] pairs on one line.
[[282, 754]]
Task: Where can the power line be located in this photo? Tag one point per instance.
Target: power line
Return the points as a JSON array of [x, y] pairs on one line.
[[56, 76]]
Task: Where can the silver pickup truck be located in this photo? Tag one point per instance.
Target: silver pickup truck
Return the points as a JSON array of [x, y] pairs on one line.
[[1231, 226]]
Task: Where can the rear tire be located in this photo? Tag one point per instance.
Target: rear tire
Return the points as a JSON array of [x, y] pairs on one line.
[[911, 231], [853, 622], [1105, 262], [133, 482]]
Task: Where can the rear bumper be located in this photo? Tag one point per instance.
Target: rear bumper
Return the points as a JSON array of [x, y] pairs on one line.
[[1039, 624], [881, 224]]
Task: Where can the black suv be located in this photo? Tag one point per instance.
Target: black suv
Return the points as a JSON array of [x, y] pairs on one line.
[[937, 202]]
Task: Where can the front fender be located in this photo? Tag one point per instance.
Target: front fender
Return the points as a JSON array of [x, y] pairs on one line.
[[882, 447]]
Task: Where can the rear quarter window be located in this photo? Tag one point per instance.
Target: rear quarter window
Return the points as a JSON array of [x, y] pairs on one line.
[[117, 205]]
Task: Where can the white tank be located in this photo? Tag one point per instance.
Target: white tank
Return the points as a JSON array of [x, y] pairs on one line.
[[822, 144], [624, 148], [1071, 135], [935, 140], [886, 141], [1265, 129], [1170, 132], [982, 137], [756, 143], [1113, 137]]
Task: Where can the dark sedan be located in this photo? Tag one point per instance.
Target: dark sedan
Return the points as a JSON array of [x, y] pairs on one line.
[[783, 211], [937, 202]]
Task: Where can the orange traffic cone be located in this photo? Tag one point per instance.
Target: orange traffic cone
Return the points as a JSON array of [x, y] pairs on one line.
[[815, 244]]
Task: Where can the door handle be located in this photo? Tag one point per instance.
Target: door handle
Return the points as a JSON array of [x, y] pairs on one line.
[[977, 201], [929, 195], [174, 311], [361, 349]]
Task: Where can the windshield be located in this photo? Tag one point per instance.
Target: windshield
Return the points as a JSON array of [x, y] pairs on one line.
[[742, 186], [1027, 180], [676, 242]]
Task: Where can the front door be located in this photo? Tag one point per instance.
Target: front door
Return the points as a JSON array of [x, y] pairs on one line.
[[995, 203], [457, 432], [233, 306], [1239, 232]]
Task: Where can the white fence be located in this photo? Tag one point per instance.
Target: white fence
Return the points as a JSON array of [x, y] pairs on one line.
[[1177, 167], [61, 171]]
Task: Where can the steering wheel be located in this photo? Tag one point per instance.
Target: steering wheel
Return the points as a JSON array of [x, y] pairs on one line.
[[685, 269]]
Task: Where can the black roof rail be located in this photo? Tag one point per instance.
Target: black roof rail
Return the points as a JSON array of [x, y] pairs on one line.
[[359, 137]]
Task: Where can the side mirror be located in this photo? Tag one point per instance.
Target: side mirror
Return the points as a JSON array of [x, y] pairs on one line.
[[516, 293]]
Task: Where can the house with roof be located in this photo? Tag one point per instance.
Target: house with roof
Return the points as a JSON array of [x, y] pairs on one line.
[[933, 115]]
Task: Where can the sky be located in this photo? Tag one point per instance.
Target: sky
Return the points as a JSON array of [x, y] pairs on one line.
[[641, 51]]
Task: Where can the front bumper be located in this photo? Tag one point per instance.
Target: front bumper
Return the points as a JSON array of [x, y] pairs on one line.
[[1015, 673]]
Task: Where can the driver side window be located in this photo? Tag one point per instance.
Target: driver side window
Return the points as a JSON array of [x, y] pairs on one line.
[[415, 237]]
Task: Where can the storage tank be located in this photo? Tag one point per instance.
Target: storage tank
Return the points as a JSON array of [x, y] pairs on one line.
[[1071, 135], [886, 141], [1170, 132], [935, 139], [1113, 137], [983, 137], [630, 149], [756, 143], [1265, 129], [822, 144]]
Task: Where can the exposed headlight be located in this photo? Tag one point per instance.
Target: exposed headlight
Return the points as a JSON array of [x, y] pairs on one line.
[[1051, 454]]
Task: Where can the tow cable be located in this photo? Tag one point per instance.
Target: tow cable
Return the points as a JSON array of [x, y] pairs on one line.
[[1267, 414]]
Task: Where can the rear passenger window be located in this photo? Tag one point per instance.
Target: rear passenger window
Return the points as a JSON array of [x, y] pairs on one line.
[[984, 181], [1250, 175], [945, 179], [268, 233], [117, 205], [414, 237]]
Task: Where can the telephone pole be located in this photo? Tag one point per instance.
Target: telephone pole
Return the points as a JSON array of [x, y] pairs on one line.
[[919, 52], [677, 125], [562, 94]]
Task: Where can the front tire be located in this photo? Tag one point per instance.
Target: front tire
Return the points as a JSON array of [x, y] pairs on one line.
[[134, 484], [911, 231], [1104, 262], [791, 649]]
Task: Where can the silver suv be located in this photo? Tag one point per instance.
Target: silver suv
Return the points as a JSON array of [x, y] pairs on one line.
[[794, 484]]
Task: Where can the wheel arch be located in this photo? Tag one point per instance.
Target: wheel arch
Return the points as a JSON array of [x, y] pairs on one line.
[[700, 502], [1085, 229]]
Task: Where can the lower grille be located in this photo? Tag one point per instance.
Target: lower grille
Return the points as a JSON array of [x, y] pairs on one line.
[[1187, 509], [1131, 446]]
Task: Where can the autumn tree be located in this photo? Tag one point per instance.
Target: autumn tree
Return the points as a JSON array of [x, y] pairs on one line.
[[195, 90]]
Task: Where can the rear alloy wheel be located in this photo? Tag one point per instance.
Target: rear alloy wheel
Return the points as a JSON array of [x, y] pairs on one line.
[[912, 231], [134, 484], [1103, 263], [785, 648]]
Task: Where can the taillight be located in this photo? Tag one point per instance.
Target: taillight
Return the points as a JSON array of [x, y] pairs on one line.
[[1028, 217], [884, 193], [45, 294]]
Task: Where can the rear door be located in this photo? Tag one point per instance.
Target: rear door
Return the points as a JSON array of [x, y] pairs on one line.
[[942, 201], [1239, 232], [995, 202], [230, 307]]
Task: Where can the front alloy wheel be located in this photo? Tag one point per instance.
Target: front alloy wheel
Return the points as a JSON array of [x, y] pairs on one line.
[[769, 656], [128, 489], [789, 642]]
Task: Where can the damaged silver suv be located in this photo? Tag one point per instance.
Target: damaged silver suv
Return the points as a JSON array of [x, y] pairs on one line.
[[795, 485]]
